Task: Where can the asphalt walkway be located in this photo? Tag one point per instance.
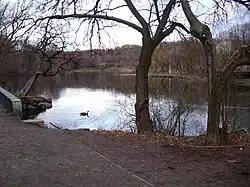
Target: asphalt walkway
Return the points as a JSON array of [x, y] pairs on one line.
[[35, 157]]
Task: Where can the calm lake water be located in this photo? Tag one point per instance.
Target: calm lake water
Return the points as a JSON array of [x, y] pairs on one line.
[[110, 101]]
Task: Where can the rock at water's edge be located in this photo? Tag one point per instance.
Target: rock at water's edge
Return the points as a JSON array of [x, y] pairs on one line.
[[35, 104]]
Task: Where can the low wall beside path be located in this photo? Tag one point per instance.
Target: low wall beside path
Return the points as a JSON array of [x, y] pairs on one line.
[[10, 102]]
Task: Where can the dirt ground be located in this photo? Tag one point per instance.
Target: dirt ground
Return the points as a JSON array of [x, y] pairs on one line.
[[35, 157], [163, 162]]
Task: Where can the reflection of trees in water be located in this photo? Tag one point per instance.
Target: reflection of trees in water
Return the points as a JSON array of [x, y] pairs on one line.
[[190, 92], [175, 115], [107, 81], [178, 107], [173, 101], [94, 81], [121, 84], [235, 113], [175, 107], [12, 83], [168, 116]]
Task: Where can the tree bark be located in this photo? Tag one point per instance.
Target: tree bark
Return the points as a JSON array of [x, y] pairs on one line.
[[214, 101], [203, 33], [143, 121], [214, 104]]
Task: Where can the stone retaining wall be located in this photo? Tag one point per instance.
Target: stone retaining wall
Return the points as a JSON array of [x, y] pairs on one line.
[[10, 102]]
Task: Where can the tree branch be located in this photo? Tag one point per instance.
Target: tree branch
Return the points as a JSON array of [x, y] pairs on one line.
[[165, 17], [192, 19], [137, 14], [240, 57], [111, 18], [169, 31], [245, 3], [157, 10], [197, 29]]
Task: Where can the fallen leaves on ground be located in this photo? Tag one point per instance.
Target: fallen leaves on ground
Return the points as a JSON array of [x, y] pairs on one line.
[[237, 139]]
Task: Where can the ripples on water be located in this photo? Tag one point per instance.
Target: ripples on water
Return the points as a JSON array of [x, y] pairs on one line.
[[106, 110], [101, 105], [110, 101]]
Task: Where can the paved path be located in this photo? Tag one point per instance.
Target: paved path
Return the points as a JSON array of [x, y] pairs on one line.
[[35, 157]]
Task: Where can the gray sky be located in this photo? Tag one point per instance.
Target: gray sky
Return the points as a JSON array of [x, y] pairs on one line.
[[121, 34]]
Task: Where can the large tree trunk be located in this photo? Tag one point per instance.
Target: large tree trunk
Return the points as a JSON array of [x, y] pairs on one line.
[[202, 32], [143, 121], [214, 101], [213, 116], [215, 85]]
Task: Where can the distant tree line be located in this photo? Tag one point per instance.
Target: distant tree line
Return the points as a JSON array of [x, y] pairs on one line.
[[185, 56]]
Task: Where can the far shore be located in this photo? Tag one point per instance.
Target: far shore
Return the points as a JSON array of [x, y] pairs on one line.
[[131, 72]]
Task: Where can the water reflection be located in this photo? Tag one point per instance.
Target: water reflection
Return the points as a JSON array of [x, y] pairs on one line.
[[177, 105], [101, 105]]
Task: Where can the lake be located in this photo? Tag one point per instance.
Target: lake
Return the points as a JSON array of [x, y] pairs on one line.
[[177, 106]]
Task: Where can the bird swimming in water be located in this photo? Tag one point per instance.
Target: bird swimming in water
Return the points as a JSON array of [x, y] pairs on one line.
[[84, 114]]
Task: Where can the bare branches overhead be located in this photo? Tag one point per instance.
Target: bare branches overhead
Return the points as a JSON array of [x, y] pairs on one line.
[[157, 10], [245, 3], [152, 20], [14, 19], [134, 26], [222, 5], [136, 14], [169, 30], [165, 17]]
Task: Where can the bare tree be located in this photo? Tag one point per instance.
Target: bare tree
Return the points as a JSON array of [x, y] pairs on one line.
[[158, 25], [50, 56], [216, 84], [154, 29], [14, 18]]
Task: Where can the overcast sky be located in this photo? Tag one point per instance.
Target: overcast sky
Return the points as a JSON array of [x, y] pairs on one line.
[[120, 35]]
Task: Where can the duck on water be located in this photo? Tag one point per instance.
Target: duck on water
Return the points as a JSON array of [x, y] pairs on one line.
[[84, 114]]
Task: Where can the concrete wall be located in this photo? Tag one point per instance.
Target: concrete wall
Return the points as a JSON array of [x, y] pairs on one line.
[[10, 102]]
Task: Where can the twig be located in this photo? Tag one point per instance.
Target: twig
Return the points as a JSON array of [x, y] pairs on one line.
[[55, 125]]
